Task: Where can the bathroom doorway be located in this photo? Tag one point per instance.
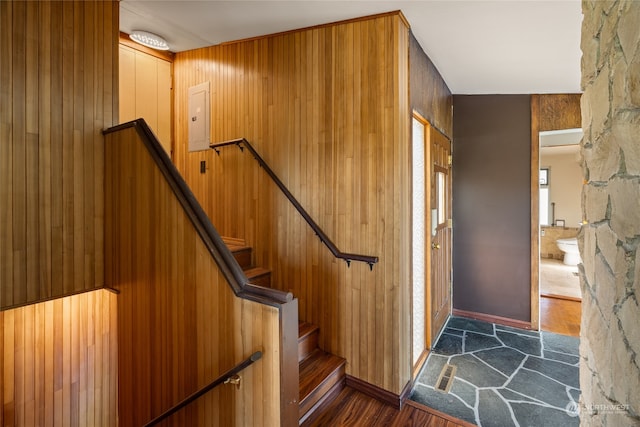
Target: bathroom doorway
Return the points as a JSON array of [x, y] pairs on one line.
[[560, 218], [556, 212], [560, 213]]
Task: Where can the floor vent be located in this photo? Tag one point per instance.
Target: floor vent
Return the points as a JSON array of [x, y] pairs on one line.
[[445, 380]]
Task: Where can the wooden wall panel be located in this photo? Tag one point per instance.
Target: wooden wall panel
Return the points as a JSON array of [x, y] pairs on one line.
[[58, 84], [430, 95], [328, 109], [180, 325], [127, 84], [145, 91], [58, 364], [559, 111]]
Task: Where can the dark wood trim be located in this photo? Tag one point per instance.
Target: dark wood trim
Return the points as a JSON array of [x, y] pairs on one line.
[[213, 241], [160, 54], [380, 394], [505, 321], [447, 417], [535, 212], [329, 24], [563, 297], [404, 395]]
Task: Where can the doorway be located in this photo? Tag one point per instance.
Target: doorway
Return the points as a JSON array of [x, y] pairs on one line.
[[560, 213], [432, 237], [556, 181], [560, 183]]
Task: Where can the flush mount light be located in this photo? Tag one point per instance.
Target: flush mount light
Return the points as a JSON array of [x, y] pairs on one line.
[[148, 39]]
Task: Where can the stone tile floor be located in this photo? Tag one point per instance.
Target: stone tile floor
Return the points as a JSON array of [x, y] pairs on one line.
[[505, 376]]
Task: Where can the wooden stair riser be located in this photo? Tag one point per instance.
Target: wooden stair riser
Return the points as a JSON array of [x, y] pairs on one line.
[[320, 374], [307, 340], [243, 256], [259, 276]]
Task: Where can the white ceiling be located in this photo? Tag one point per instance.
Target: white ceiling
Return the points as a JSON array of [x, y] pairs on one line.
[[479, 46]]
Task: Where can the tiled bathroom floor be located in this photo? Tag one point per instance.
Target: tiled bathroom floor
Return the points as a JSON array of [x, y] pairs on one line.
[[557, 279], [505, 376]]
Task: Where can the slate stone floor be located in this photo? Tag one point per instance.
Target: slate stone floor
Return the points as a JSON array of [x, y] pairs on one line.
[[505, 376]]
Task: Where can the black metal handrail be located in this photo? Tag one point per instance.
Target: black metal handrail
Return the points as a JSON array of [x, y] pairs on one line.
[[348, 257], [230, 268], [213, 384]]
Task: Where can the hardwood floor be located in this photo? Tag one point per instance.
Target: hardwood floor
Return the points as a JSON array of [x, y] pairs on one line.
[[353, 408], [560, 316]]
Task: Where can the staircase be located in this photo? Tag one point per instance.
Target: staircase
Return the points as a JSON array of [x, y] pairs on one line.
[[322, 375]]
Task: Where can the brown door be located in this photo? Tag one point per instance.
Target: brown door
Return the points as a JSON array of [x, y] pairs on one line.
[[441, 280]]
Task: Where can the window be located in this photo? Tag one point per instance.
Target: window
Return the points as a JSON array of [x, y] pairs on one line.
[[544, 176], [442, 214]]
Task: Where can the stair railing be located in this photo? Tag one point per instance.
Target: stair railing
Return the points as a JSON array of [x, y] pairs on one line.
[[213, 241], [228, 377], [348, 257], [286, 304]]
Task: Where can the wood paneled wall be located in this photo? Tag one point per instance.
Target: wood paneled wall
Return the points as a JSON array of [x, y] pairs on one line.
[[328, 109], [430, 95], [180, 325], [559, 111], [146, 91], [58, 89], [58, 364]]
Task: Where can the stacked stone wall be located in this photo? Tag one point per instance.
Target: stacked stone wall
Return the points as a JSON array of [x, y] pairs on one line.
[[609, 243]]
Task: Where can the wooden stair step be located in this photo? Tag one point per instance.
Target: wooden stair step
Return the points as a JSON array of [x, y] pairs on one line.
[[242, 254], [259, 276], [307, 340], [322, 376]]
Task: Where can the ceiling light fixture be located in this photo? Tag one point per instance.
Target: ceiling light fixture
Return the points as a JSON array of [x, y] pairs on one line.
[[148, 39]]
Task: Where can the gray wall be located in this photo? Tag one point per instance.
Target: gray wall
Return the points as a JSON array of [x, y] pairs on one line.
[[491, 205]]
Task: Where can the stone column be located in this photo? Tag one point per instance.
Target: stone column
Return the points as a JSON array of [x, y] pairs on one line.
[[609, 243]]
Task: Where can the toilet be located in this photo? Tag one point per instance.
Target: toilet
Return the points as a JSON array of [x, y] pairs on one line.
[[570, 249]]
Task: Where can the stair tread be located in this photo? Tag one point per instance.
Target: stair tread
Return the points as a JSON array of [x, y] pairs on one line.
[[305, 329], [238, 248], [314, 371], [256, 272], [233, 241]]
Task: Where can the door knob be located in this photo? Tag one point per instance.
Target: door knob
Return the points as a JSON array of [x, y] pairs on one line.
[[435, 245]]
